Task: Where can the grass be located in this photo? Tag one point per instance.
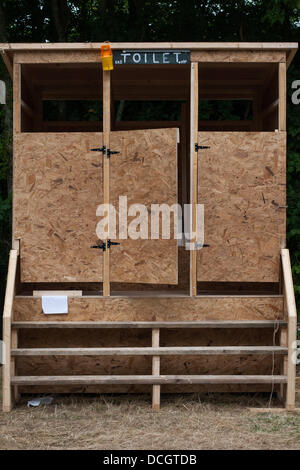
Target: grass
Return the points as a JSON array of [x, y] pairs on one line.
[[204, 421]]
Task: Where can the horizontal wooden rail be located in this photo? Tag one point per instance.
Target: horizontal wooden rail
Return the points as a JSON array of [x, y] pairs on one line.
[[150, 325], [149, 351], [147, 379]]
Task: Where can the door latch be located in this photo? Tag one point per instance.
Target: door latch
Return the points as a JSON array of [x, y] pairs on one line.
[[200, 147]]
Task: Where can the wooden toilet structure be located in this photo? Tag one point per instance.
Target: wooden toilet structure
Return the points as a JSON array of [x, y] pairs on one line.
[[148, 314]]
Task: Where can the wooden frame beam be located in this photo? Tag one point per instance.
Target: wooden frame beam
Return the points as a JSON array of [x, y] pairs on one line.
[[59, 46], [155, 370], [106, 142], [290, 305], [193, 174], [282, 96], [8, 340]]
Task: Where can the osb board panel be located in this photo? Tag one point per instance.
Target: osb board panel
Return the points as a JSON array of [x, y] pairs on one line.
[[241, 182], [57, 188], [155, 309], [65, 57], [238, 56], [142, 365], [146, 172]]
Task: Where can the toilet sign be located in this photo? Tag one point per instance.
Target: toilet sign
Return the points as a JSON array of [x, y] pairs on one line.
[[151, 57]]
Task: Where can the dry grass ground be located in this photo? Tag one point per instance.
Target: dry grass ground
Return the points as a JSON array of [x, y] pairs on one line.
[[127, 422]]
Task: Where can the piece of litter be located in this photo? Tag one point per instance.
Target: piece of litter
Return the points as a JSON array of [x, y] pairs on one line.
[[40, 401]]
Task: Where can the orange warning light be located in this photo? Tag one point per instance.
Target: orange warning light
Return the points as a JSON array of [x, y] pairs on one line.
[[107, 57]]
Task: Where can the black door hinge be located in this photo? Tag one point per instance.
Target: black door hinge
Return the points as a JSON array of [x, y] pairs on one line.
[[111, 152], [105, 151], [99, 149], [201, 147], [110, 243], [101, 246], [105, 245]]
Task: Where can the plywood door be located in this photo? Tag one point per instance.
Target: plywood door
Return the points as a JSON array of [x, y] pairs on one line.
[[146, 172], [57, 188], [241, 182]]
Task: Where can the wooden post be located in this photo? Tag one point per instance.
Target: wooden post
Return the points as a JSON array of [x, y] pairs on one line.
[[183, 152], [7, 318], [292, 329], [193, 173], [282, 96], [13, 369], [155, 371], [284, 368], [17, 98], [106, 141]]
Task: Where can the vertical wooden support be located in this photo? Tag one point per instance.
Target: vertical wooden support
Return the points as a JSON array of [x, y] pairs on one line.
[[193, 173], [183, 151], [17, 98], [7, 319], [282, 96], [16, 129], [284, 367], [290, 303], [13, 369], [155, 371], [106, 141]]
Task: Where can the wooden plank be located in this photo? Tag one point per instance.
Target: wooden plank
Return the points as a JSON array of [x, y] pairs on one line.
[[231, 56], [145, 172], [149, 45], [170, 325], [282, 97], [193, 175], [243, 189], [17, 99], [273, 410], [154, 351], [106, 173], [69, 293], [156, 309], [290, 304], [7, 318], [155, 370], [57, 189], [147, 379]]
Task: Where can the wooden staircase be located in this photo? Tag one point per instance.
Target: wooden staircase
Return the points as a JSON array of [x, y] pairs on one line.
[[286, 349]]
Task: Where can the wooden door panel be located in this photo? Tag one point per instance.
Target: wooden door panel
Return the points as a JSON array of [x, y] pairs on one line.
[[241, 182], [146, 172], [57, 188]]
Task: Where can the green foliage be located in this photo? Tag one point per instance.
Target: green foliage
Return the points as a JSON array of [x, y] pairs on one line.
[[137, 20]]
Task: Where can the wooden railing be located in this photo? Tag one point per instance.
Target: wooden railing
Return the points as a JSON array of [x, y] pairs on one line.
[[291, 337], [9, 337]]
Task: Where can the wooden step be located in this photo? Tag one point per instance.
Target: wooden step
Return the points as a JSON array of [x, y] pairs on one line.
[[136, 324], [149, 351], [147, 379]]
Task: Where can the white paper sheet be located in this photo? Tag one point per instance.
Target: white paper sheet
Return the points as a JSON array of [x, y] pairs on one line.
[[55, 304]]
